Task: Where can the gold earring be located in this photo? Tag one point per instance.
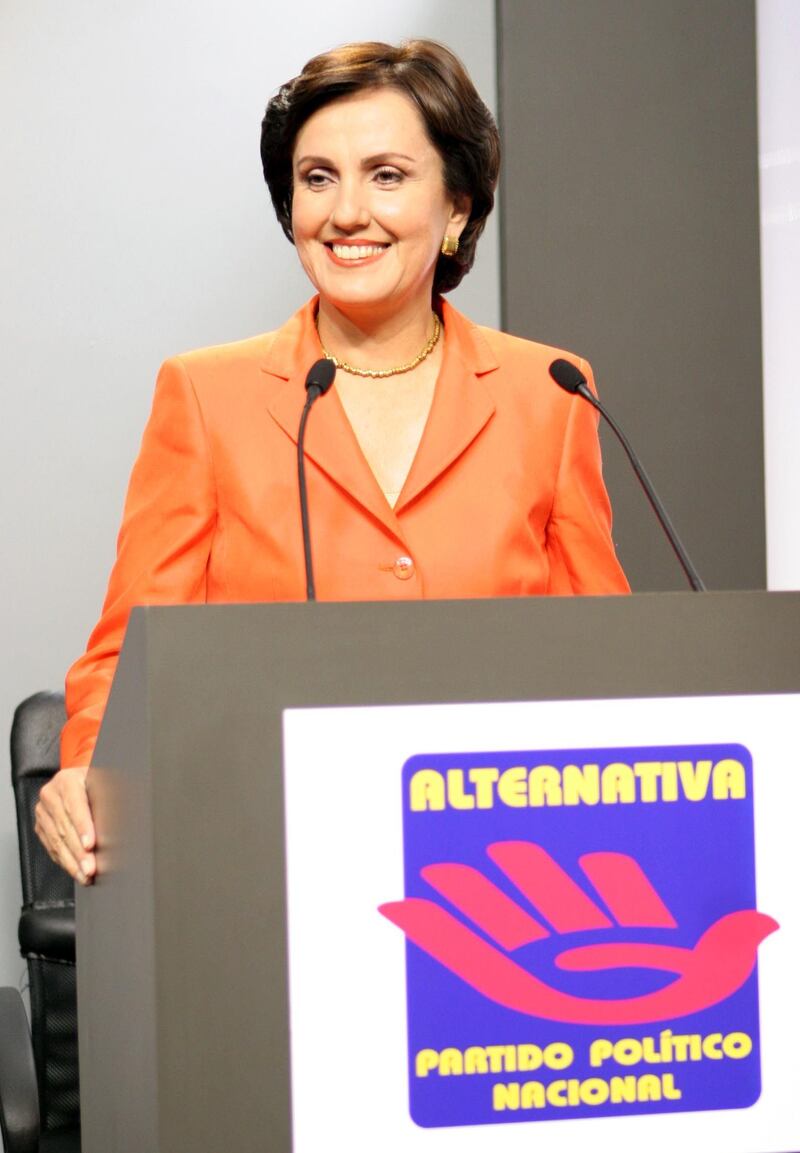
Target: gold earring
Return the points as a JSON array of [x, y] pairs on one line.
[[450, 246]]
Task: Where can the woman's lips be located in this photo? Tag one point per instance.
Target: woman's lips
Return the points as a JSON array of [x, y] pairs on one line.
[[355, 255]]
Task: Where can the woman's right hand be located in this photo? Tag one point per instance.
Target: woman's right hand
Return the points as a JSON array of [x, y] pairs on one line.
[[64, 824]]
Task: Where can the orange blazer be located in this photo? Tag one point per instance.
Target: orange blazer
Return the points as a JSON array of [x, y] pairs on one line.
[[505, 496]]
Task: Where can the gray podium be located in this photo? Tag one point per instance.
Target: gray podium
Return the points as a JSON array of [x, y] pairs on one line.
[[182, 972]]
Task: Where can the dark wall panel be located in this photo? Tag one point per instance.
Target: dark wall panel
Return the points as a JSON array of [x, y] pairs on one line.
[[631, 235]]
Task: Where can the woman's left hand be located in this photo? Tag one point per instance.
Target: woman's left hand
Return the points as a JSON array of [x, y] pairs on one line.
[[64, 824]]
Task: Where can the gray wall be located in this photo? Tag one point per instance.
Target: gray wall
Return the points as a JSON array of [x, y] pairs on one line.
[[134, 224], [630, 216]]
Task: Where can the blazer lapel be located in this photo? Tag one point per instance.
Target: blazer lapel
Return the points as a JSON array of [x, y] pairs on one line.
[[330, 441], [462, 405]]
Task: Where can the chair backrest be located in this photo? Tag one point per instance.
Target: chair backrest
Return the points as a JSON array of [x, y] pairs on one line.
[[35, 735], [47, 924]]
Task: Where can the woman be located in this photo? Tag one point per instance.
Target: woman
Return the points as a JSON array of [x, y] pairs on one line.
[[444, 463]]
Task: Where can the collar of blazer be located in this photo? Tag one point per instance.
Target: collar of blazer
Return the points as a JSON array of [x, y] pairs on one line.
[[462, 407]]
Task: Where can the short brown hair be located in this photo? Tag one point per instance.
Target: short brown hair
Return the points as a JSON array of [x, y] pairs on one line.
[[460, 126]]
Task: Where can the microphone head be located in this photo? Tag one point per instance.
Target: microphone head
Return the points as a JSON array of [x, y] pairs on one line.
[[567, 375], [321, 375]]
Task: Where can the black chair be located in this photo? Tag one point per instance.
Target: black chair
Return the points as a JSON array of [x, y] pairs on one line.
[[39, 1100]]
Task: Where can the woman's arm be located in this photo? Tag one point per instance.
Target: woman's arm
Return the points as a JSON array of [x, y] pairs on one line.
[[579, 544], [162, 554]]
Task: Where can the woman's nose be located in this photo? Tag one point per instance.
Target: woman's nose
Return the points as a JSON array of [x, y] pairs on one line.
[[349, 209]]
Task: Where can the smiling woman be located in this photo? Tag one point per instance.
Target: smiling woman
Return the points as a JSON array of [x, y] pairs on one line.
[[443, 463], [369, 213], [456, 123], [364, 203]]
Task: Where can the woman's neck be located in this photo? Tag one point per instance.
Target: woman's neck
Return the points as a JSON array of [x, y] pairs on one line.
[[374, 341]]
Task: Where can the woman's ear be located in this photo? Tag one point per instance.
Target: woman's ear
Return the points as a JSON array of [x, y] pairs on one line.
[[459, 216]]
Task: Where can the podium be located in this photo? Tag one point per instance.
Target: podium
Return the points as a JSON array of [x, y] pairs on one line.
[[184, 983]]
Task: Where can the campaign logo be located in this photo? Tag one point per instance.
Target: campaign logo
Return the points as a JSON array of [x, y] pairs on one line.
[[582, 933]]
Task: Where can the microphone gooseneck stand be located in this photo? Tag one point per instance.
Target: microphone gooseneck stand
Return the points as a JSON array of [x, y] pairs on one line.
[[569, 377], [319, 379]]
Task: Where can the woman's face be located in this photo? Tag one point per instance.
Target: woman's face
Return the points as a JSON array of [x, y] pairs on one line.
[[369, 205]]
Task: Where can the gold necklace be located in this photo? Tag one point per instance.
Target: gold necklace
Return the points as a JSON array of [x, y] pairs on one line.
[[380, 373]]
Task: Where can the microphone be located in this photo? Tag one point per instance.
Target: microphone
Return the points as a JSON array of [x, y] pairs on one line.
[[569, 377], [319, 379]]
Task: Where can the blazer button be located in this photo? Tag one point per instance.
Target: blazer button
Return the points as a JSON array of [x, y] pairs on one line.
[[403, 568]]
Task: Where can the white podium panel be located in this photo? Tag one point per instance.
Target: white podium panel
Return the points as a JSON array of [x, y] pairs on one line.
[[544, 925]]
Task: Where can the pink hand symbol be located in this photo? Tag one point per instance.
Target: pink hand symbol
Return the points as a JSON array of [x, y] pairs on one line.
[[718, 965]]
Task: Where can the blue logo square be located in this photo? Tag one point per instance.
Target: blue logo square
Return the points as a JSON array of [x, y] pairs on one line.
[[582, 933]]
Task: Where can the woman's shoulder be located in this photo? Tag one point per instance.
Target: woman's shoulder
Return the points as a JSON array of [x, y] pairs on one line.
[[505, 349], [517, 349], [274, 356], [238, 355]]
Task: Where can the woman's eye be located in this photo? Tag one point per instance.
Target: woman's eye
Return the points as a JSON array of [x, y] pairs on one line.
[[388, 176], [316, 179]]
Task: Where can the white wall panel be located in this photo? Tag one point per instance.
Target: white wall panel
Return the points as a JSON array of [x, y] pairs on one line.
[[134, 224], [779, 162]]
